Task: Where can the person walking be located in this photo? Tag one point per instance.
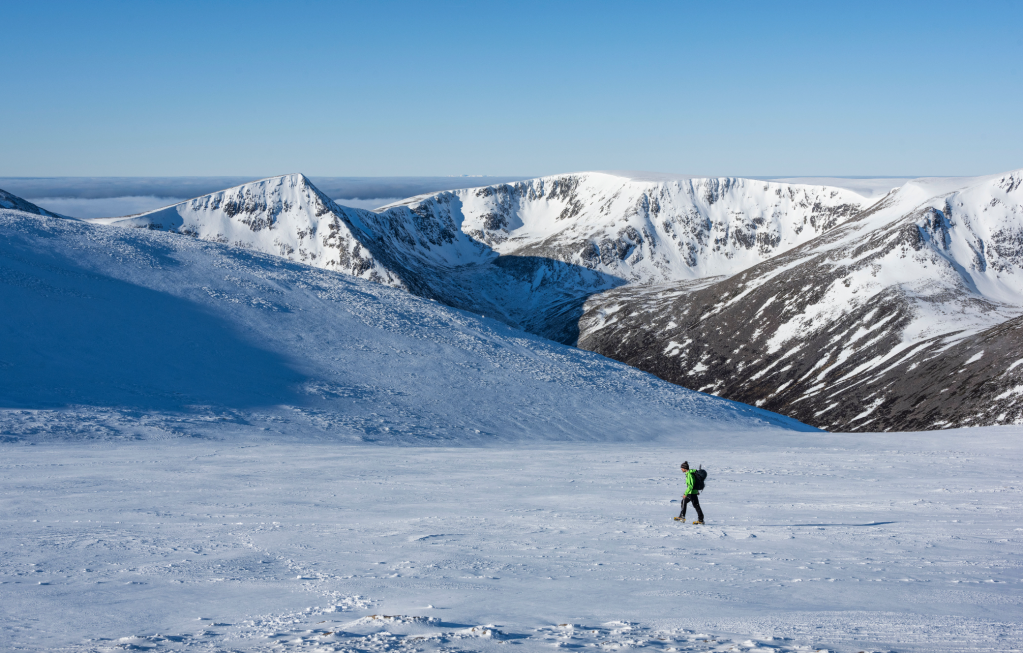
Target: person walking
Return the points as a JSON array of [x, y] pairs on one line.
[[692, 496]]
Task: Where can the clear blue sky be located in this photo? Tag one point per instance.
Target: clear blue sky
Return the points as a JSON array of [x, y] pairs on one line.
[[439, 88]]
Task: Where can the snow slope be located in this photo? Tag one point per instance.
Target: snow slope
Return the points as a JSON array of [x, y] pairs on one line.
[[870, 293], [128, 331], [872, 325], [872, 188], [908, 543]]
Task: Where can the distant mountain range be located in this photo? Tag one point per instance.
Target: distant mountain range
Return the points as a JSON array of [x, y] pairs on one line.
[[93, 188], [843, 310]]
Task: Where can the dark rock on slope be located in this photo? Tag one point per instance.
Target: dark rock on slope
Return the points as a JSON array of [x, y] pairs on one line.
[[904, 318]]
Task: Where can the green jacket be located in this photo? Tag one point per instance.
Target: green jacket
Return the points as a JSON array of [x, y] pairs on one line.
[[689, 482]]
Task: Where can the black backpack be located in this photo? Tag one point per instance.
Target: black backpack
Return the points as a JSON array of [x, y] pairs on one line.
[[699, 479]]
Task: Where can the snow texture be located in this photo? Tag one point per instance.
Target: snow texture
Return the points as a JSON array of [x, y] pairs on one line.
[[246, 543]]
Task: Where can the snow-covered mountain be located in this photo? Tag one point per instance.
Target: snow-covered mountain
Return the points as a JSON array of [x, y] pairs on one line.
[[286, 216], [643, 228], [250, 528], [120, 332], [674, 275], [407, 247], [905, 317], [528, 253]]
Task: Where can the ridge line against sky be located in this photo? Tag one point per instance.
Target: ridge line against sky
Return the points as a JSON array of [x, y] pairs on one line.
[[335, 187], [104, 197], [446, 88]]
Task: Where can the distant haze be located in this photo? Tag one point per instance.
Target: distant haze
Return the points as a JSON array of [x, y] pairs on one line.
[[105, 197], [188, 187]]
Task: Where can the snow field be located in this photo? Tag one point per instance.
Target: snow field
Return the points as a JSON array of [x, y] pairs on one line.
[[813, 541]]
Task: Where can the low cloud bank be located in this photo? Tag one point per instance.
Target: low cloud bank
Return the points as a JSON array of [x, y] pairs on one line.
[[112, 207], [371, 203], [105, 207], [342, 188]]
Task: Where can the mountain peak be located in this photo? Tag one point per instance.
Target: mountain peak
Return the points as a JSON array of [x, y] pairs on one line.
[[870, 326], [284, 215]]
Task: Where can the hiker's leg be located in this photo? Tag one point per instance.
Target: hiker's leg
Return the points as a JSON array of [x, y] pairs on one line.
[[696, 504]]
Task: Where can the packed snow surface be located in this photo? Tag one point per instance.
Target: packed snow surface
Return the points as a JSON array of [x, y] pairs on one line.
[[871, 542]]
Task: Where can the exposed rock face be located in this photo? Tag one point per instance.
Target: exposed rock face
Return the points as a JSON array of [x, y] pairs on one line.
[[904, 318]]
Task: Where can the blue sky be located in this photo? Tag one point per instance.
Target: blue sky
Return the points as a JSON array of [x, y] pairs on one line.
[[524, 88]]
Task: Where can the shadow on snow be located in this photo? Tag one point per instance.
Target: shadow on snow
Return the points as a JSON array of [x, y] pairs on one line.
[[72, 336]]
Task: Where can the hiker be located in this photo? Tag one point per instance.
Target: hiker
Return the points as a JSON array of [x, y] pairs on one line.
[[691, 496]]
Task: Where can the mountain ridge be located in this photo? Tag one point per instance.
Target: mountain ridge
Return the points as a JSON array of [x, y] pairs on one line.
[[455, 247], [841, 331]]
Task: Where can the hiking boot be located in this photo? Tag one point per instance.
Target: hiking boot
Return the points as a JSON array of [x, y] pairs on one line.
[[697, 521]]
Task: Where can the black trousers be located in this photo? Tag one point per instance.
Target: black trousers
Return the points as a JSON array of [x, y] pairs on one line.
[[695, 500]]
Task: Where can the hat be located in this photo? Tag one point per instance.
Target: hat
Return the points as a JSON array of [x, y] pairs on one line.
[[685, 465]]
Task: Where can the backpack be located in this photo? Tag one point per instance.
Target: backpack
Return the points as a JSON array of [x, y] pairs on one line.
[[699, 479]]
